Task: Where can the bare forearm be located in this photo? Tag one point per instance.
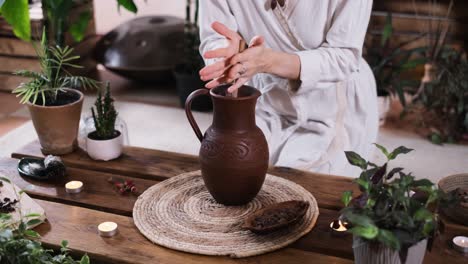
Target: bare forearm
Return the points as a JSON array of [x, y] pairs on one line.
[[282, 64]]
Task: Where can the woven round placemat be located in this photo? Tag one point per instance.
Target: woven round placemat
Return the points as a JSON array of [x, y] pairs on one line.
[[180, 214]]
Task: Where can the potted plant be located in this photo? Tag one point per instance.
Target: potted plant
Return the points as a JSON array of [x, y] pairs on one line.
[[57, 13], [388, 62], [442, 102], [186, 73], [52, 100], [105, 143], [435, 40], [393, 218], [20, 244]]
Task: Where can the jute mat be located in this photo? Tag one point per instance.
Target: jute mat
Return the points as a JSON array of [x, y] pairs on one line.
[[180, 214]]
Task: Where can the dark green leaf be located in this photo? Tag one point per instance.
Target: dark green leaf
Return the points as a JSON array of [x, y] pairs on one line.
[[388, 239], [127, 4], [367, 232], [34, 222], [78, 29], [413, 64], [361, 220], [393, 171], [84, 260], [398, 151], [31, 233], [387, 31], [382, 149], [356, 160], [423, 214], [32, 215], [436, 138], [64, 243], [362, 183], [423, 182], [379, 174], [16, 13], [347, 197]]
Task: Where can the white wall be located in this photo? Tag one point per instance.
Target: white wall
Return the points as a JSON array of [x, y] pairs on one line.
[[107, 17]]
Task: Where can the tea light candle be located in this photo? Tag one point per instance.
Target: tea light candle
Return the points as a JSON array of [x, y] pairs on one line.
[[338, 227], [460, 243], [107, 229], [74, 187]]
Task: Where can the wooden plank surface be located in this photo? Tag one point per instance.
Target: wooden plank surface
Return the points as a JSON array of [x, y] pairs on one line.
[[327, 189], [14, 46], [129, 246], [8, 81], [159, 165], [10, 64], [97, 194]]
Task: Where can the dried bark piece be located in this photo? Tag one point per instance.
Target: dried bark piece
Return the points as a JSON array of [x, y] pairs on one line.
[[276, 216]]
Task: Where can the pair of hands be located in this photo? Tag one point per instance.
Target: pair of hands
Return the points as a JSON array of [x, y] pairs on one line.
[[234, 67]]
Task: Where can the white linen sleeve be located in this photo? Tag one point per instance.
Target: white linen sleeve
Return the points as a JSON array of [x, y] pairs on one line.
[[211, 11], [340, 54]]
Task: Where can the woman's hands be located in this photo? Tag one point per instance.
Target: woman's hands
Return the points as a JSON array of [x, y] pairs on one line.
[[239, 67]]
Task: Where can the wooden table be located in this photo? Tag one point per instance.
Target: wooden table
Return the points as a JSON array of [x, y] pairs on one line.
[[75, 217]]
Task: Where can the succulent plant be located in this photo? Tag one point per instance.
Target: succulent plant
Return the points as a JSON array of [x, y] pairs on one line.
[[104, 116]]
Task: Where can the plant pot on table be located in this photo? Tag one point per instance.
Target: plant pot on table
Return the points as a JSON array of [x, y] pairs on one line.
[[366, 252], [186, 83], [57, 124], [104, 149]]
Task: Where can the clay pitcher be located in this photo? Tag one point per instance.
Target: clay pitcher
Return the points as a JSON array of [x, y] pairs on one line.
[[234, 151]]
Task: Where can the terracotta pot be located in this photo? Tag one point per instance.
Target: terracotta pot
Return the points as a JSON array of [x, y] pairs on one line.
[[234, 151], [105, 150], [367, 253], [57, 126]]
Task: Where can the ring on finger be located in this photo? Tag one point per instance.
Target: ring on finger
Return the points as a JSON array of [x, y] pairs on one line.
[[243, 69]]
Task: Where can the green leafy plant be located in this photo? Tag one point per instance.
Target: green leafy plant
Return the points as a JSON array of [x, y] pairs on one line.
[[446, 98], [16, 13], [20, 245], [46, 85], [192, 60], [388, 61], [387, 211], [105, 115]]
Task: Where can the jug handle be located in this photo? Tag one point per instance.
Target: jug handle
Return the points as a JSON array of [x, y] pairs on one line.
[[188, 111]]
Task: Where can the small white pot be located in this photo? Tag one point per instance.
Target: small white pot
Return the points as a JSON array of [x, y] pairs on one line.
[[383, 105], [105, 149]]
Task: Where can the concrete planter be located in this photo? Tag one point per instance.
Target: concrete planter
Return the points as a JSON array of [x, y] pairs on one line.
[[57, 126], [105, 149], [367, 253]]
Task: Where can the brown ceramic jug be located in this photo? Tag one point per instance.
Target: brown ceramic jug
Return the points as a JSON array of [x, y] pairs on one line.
[[234, 151]]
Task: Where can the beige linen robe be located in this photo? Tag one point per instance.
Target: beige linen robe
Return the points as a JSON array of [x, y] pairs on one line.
[[333, 108]]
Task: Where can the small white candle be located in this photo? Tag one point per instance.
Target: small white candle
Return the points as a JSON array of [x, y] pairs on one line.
[[338, 228], [341, 227], [461, 243], [74, 187], [107, 229]]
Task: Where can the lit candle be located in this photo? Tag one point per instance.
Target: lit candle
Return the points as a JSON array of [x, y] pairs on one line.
[[338, 227], [107, 229], [74, 187], [460, 243]]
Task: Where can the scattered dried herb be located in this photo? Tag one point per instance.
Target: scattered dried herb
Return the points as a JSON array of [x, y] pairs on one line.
[[123, 186], [7, 205]]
